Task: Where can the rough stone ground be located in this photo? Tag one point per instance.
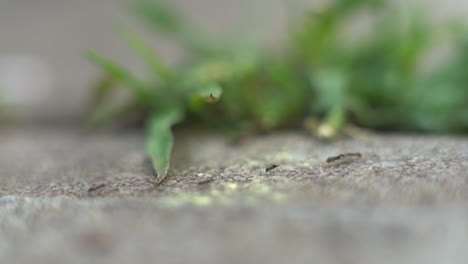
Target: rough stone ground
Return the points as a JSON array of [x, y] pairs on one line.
[[75, 197]]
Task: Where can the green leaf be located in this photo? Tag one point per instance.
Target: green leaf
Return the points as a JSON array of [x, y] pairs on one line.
[[100, 97], [159, 14], [333, 123], [210, 93], [160, 140], [149, 56], [163, 17], [331, 86], [134, 84], [104, 87]]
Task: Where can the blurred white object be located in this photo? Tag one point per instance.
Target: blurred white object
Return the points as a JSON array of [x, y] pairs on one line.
[[26, 82]]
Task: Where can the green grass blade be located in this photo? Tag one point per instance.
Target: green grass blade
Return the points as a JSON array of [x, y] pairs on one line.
[[160, 141], [104, 87], [333, 123], [134, 84], [160, 15], [101, 93], [330, 85], [210, 93], [148, 55]]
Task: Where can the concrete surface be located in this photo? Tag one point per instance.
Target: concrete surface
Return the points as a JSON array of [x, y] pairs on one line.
[[74, 197]]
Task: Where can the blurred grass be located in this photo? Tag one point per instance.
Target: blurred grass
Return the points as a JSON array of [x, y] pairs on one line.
[[375, 81], [4, 113]]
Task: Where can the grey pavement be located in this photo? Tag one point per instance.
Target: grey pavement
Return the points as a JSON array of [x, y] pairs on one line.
[[78, 197]]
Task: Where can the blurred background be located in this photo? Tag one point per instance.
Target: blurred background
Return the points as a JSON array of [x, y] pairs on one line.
[[43, 71], [46, 78]]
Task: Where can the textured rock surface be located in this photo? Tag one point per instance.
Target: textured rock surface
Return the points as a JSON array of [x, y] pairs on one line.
[[74, 197]]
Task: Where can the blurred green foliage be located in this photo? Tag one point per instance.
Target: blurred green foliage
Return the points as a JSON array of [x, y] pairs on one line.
[[3, 110], [321, 77]]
